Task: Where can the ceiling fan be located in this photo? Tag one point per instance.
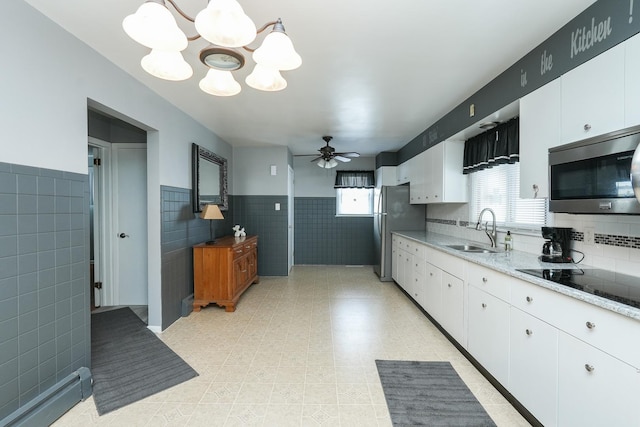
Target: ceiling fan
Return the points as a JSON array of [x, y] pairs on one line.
[[328, 156]]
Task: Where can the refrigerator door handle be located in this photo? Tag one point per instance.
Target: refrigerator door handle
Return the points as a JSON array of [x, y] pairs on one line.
[[380, 214]]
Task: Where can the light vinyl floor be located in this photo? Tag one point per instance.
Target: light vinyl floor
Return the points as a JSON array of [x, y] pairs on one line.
[[298, 351]]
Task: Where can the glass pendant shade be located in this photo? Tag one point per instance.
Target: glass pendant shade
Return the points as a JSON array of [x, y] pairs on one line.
[[265, 78], [155, 27], [223, 22], [166, 65], [220, 83], [277, 52], [327, 164]]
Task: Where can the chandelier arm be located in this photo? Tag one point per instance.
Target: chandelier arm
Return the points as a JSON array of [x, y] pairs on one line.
[[264, 27], [261, 29], [180, 11]]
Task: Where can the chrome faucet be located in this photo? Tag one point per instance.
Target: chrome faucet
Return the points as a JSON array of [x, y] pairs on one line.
[[493, 236]]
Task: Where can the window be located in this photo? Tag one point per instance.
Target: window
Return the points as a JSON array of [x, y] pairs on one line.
[[354, 201], [354, 193], [498, 188]]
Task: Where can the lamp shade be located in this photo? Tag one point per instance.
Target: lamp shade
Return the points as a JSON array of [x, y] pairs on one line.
[[265, 78], [223, 22], [211, 212], [155, 27], [166, 65], [220, 83], [277, 51]]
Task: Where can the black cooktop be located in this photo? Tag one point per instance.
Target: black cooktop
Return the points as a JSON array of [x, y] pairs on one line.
[[603, 283]]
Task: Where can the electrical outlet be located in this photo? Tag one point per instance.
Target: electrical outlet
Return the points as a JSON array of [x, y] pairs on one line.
[[588, 235]]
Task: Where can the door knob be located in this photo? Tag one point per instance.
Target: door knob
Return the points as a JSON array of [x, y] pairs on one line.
[[122, 235]]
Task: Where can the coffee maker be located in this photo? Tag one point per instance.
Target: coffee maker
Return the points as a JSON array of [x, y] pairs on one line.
[[557, 247]]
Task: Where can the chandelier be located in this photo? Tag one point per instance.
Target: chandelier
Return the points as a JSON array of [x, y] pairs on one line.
[[225, 26]]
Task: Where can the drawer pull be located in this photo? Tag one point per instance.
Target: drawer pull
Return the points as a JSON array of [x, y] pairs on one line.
[[591, 325], [431, 274], [587, 127], [589, 368], [528, 332], [449, 284], [484, 280], [529, 299], [484, 305]]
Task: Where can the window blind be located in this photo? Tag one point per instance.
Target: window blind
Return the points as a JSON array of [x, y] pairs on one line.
[[498, 188]]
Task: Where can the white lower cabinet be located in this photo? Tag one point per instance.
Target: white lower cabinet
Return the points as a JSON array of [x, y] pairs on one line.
[[432, 296], [452, 314], [488, 332], [533, 365], [595, 389]]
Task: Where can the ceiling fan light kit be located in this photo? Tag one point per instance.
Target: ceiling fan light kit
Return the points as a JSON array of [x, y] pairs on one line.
[[224, 24]]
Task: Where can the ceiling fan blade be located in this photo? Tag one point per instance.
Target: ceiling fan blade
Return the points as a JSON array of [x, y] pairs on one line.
[[305, 155], [350, 154], [342, 159], [317, 158]]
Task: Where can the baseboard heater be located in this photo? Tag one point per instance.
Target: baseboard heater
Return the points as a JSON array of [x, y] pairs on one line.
[[53, 402]]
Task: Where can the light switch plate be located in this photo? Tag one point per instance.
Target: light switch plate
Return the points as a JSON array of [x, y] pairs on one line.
[[274, 170], [277, 206]]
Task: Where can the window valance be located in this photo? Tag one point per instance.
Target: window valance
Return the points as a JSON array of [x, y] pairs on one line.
[[494, 147], [355, 179]]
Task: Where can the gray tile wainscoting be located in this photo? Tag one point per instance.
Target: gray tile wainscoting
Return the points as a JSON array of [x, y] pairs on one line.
[[44, 280], [322, 238], [181, 229], [257, 215]]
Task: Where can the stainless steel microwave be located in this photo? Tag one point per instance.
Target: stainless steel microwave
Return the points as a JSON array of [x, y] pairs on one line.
[[593, 176]]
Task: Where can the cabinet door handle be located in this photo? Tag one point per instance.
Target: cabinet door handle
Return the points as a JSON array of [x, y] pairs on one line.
[[587, 127], [449, 284], [529, 299], [431, 274], [484, 305], [589, 368], [528, 332], [591, 325], [484, 280]]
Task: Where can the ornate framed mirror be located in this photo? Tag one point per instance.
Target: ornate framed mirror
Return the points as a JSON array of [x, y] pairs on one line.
[[209, 178]]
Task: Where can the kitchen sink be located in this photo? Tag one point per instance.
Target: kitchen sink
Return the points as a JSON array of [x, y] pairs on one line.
[[472, 248]]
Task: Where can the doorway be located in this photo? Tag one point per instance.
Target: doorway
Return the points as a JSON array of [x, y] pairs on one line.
[[118, 224], [290, 215]]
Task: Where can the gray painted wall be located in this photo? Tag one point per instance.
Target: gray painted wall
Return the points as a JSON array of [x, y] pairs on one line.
[[313, 181], [252, 171], [44, 280]]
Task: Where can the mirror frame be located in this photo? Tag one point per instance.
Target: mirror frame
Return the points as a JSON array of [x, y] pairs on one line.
[[201, 154]]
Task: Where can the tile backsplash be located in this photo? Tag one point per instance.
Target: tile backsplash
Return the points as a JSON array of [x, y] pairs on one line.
[[610, 242]]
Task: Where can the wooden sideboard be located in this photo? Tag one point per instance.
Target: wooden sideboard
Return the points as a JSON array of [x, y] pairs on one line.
[[224, 270]]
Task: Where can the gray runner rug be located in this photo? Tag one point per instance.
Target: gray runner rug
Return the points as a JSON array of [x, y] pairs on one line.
[[128, 361], [429, 394]]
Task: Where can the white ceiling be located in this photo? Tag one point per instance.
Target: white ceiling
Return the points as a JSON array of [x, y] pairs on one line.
[[374, 74]]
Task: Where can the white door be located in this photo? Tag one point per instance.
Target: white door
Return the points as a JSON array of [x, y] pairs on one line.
[[130, 223], [290, 221]]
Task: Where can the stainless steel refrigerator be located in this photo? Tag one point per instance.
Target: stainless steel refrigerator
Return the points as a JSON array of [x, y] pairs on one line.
[[393, 212]]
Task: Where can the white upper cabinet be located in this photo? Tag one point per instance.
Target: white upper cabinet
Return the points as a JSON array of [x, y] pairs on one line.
[[402, 172], [437, 173], [386, 175], [593, 96], [632, 82], [539, 131]]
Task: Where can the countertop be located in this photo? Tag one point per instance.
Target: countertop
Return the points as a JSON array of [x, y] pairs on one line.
[[508, 262]]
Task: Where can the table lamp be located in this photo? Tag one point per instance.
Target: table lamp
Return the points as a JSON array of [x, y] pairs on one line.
[[211, 212]]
